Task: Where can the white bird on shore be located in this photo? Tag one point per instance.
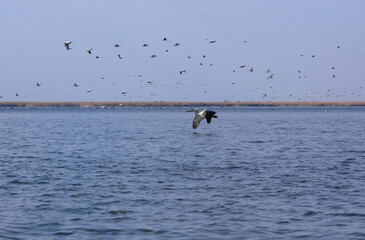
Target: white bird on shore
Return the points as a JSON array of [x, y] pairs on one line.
[[199, 116], [67, 45]]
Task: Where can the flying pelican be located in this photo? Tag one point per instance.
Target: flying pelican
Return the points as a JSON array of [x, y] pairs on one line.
[[242, 66], [165, 39], [182, 71], [124, 92], [89, 50], [251, 70], [153, 56], [117, 45], [38, 84], [76, 85], [177, 44], [89, 90], [145, 45], [199, 116], [268, 70], [67, 45], [120, 56], [213, 41]]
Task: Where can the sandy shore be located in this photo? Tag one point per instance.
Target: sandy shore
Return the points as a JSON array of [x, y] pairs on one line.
[[160, 104]]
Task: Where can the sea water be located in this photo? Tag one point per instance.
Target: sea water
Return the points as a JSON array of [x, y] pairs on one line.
[[144, 173]]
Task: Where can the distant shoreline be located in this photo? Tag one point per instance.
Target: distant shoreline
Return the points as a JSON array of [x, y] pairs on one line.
[[177, 104]]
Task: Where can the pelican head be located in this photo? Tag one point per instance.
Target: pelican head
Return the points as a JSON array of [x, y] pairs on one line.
[[196, 110]]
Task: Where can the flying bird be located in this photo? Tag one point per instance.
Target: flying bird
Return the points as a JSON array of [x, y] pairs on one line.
[[165, 39], [89, 90], [120, 56], [38, 84], [182, 71], [145, 45], [213, 41], [67, 45], [153, 56], [117, 45], [177, 44], [89, 50], [251, 70], [271, 76], [199, 116], [76, 85]]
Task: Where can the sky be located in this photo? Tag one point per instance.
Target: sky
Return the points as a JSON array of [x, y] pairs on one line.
[[281, 36]]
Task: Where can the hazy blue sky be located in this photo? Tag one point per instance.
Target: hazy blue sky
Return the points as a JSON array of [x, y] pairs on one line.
[[277, 33]]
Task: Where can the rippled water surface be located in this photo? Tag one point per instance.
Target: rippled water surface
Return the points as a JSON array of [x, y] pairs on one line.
[[144, 173]]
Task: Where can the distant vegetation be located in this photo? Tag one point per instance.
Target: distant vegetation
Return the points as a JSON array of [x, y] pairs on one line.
[[161, 104]]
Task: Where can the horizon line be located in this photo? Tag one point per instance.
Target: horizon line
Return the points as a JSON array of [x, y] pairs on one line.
[[175, 103]]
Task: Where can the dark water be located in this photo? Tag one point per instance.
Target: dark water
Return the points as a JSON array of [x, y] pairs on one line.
[[143, 173]]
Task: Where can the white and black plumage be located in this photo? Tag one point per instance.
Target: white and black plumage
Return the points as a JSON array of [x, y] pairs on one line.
[[67, 45], [145, 45], [76, 85], [38, 84], [116, 45], [199, 116], [120, 56], [153, 56], [182, 71], [89, 50]]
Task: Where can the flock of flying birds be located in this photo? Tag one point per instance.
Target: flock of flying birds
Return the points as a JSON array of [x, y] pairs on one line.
[[265, 94]]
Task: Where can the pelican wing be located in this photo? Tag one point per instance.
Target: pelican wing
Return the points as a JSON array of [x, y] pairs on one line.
[[197, 120], [209, 115]]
